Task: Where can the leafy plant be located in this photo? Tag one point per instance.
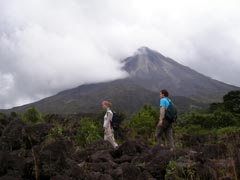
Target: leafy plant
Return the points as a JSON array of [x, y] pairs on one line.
[[88, 132], [142, 125], [54, 134], [171, 171], [231, 101], [2, 116], [32, 116]]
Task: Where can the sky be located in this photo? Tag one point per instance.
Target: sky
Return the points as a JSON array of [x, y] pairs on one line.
[[47, 46]]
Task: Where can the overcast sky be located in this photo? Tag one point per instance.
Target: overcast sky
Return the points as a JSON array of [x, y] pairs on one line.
[[47, 46]]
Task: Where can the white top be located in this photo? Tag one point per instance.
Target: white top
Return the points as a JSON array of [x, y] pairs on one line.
[[105, 117]]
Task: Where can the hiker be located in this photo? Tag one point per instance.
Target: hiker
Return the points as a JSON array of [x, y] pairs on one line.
[[108, 130], [164, 127]]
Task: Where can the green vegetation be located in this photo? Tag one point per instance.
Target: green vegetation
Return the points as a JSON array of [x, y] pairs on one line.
[[2, 116], [142, 125], [171, 171], [221, 118], [217, 127], [232, 102], [88, 132], [54, 134], [32, 116], [13, 114]]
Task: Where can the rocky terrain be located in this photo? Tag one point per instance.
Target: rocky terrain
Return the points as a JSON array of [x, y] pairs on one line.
[[27, 153]]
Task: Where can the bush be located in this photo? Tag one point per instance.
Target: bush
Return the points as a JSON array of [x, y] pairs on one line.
[[143, 124], [13, 115], [228, 131], [54, 134], [2, 116], [216, 107], [88, 132], [202, 120], [223, 119], [232, 101], [218, 119], [32, 116]]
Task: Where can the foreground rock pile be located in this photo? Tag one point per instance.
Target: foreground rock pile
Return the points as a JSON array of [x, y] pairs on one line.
[[25, 155]]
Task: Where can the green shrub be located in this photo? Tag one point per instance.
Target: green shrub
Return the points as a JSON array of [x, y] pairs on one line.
[[171, 171], [54, 134], [216, 107], [88, 132], [142, 125], [2, 116], [202, 120], [13, 114], [228, 130], [231, 101], [32, 116], [218, 119], [223, 119]]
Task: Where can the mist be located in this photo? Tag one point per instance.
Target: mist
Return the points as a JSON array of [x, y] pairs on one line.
[[49, 46]]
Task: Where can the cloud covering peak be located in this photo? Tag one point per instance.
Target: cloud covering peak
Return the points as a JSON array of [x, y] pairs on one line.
[[48, 46]]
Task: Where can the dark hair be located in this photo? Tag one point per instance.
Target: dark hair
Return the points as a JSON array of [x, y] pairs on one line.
[[164, 92]]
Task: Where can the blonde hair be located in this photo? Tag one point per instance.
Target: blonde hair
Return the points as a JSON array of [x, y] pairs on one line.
[[107, 103]]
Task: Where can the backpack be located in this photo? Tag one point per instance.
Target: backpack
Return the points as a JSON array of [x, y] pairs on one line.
[[116, 120], [171, 113]]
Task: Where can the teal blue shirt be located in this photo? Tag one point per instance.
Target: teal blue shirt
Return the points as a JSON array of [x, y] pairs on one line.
[[164, 102]]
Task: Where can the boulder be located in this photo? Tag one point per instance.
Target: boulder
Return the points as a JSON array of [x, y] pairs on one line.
[[10, 177], [4, 121], [237, 159], [13, 164], [53, 158], [1, 130], [130, 171], [101, 156], [12, 138], [194, 140], [61, 177], [35, 134], [155, 161], [4, 165], [78, 172], [189, 169], [98, 146], [131, 148], [212, 151]]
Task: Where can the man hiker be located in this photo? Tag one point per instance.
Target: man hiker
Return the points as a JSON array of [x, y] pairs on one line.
[[164, 127]]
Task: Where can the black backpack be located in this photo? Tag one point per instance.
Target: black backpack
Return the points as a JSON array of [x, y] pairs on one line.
[[116, 120], [171, 113]]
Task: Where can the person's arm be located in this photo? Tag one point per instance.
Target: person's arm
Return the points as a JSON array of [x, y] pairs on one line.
[[162, 112], [108, 122]]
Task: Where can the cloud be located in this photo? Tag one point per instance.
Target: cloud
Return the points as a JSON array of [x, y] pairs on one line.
[[49, 46]]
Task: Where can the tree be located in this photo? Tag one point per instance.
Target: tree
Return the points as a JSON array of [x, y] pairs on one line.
[[143, 124], [2, 116], [216, 107], [88, 132], [32, 115], [231, 101]]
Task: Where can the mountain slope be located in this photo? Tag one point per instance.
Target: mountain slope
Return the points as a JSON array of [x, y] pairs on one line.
[[125, 95], [153, 71], [149, 72]]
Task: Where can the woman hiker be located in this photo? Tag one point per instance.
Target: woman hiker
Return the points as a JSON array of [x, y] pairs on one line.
[[108, 130]]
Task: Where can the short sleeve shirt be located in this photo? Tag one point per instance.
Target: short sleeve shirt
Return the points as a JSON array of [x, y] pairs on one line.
[[105, 117], [164, 102]]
